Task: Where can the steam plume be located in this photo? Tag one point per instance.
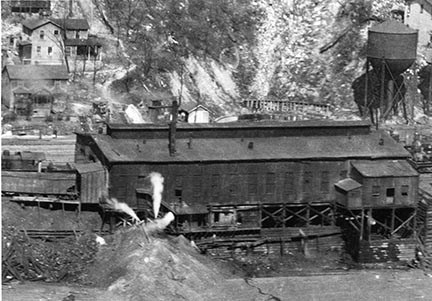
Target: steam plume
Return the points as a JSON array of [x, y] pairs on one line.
[[160, 223], [114, 204], [157, 183]]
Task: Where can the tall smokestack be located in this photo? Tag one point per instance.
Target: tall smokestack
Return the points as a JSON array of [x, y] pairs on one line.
[[173, 128]]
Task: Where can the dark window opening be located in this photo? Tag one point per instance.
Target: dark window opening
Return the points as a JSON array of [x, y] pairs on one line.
[[56, 32], [289, 183], [178, 192], [233, 186], [307, 182], [252, 183], [376, 191], [270, 183], [42, 35], [215, 185], [343, 174], [421, 8], [404, 190], [50, 50], [325, 181], [390, 192]]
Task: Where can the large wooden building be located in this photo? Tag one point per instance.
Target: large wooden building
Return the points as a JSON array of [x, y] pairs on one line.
[[274, 178]]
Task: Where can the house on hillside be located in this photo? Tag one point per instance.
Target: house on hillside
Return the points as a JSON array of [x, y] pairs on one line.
[[42, 43], [50, 41], [195, 113], [418, 15], [30, 6], [34, 86], [79, 45]]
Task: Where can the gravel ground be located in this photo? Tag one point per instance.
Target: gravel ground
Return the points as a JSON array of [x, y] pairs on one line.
[[359, 285]]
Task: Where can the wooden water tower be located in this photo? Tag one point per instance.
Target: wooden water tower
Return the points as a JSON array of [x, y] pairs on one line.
[[391, 50]]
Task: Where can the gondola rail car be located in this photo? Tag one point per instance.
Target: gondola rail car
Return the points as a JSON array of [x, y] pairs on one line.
[[81, 183], [23, 160]]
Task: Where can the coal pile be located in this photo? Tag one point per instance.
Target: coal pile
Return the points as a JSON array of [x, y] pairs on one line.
[[153, 267]]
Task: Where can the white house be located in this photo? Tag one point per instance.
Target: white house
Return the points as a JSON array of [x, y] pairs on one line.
[[418, 15]]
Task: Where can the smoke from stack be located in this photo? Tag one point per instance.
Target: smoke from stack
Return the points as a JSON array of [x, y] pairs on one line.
[[156, 180], [114, 204]]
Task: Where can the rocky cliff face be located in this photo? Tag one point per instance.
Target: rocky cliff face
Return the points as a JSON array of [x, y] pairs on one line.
[[208, 53]]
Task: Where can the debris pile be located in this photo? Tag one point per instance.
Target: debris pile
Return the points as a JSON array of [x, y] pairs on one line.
[[24, 258]]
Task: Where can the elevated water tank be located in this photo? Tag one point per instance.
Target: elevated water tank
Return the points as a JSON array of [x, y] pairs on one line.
[[394, 42]]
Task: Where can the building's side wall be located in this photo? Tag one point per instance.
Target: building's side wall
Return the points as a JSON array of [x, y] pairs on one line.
[[421, 19], [378, 196], [234, 183]]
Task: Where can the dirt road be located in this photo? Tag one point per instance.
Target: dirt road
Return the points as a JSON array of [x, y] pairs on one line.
[[357, 285]]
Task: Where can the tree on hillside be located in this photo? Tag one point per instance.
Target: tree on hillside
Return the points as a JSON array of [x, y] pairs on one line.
[[158, 35]]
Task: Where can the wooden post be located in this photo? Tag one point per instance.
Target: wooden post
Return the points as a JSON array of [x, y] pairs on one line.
[[361, 225], [369, 224], [429, 91], [393, 220]]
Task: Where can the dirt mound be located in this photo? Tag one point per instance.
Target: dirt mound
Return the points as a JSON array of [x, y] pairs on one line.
[[154, 268]]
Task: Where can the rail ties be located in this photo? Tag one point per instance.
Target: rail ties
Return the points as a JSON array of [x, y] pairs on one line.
[[57, 234]]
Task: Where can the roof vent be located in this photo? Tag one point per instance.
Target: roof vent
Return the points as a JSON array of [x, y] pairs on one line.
[[251, 145]]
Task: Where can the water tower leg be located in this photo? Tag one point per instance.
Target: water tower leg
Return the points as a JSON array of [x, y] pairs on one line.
[[382, 92]]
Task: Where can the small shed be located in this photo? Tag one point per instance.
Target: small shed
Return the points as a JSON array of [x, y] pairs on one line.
[[386, 183], [90, 181], [349, 193], [195, 113]]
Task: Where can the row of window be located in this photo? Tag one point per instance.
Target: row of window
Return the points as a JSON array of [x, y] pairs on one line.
[[39, 50], [56, 33], [390, 192], [287, 179]]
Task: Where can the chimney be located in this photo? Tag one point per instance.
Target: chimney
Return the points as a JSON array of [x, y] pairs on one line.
[[173, 128]]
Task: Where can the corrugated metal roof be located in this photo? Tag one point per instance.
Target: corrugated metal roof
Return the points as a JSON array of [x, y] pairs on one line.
[[236, 149], [385, 169], [348, 184], [73, 24], [36, 72]]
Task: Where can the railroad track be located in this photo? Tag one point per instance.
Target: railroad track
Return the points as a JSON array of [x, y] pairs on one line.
[[57, 234]]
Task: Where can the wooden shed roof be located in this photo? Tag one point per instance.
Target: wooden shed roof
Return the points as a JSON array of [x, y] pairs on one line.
[[264, 148], [392, 168], [348, 184]]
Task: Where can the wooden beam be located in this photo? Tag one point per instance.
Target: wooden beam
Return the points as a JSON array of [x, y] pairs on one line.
[[404, 223]]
